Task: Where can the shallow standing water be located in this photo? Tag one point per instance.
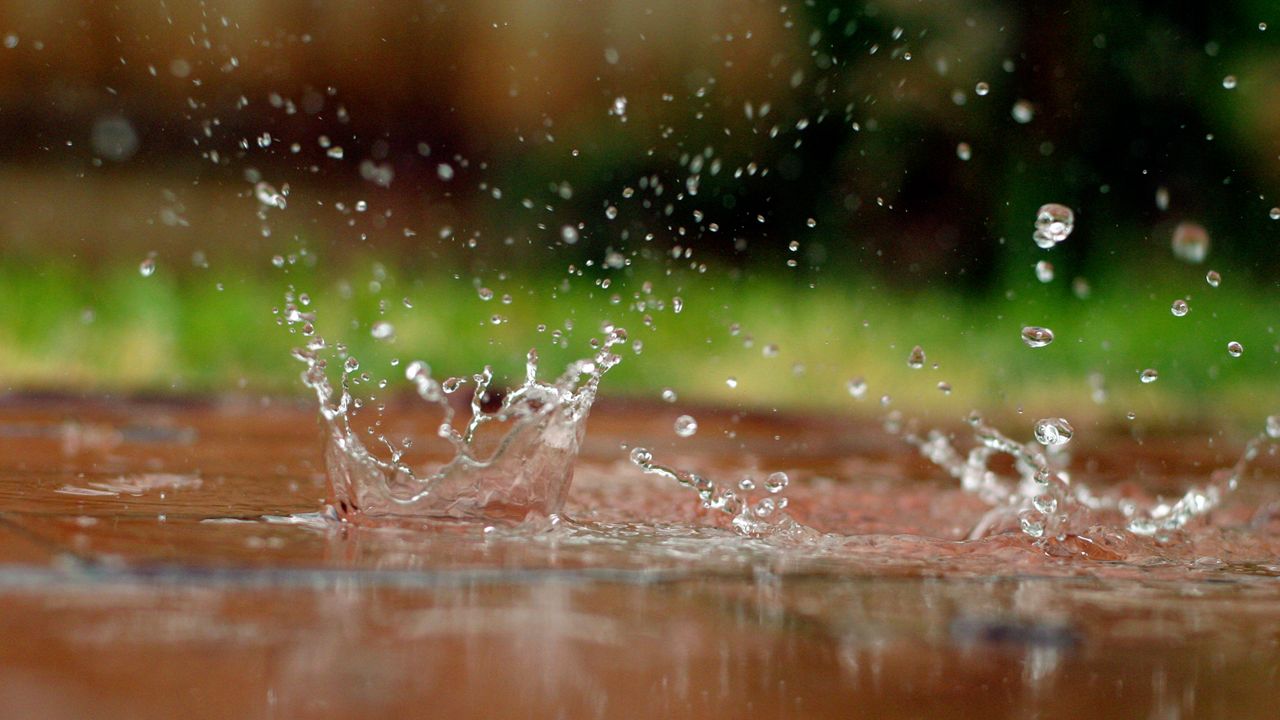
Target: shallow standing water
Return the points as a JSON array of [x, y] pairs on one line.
[[160, 557]]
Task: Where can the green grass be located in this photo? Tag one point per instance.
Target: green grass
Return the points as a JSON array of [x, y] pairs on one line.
[[67, 326]]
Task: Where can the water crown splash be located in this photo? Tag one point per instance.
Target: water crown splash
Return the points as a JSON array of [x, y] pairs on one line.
[[526, 475]]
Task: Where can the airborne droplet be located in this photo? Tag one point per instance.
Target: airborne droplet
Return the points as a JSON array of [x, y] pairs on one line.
[[1213, 278], [916, 359], [686, 426], [1148, 376], [1053, 431], [1180, 308], [1023, 111], [1054, 222], [1235, 349], [1036, 337], [1190, 242], [1044, 271]]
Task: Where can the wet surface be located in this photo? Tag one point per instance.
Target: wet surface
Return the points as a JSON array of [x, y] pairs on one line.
[[163, 559]]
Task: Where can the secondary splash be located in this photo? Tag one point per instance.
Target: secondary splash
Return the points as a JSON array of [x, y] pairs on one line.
[[1044, 501], [751, 512], [526, 474]]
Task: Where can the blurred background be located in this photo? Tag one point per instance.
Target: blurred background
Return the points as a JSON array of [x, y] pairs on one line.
[[779, 200]]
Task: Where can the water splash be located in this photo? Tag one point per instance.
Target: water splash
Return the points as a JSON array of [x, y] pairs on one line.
[[527, 474], [1048, 506], [750, 512]]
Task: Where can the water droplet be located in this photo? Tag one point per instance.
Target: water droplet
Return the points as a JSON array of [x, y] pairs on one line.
[[1052, 432], [916, 359], [1046, 504], [1180, 308], [857, 388], [732, 382], [1162, 198], [811, 223], [1190, 242], [114, 138], [669, 395], [1031, 527], [1054, 222], [351, 365], [1229, 82], [1023, 111], [945, 387], [1148, 376], [382, 330], [963, 151], [148, 266], [1273, 426], [1235, 349], [269, 196], [982, 89], [776, 482], [1213, 278], [1036, 337], [686, 426], [770, 350], [641, 456], [1044, 271], [1274, 214], [569, 234]]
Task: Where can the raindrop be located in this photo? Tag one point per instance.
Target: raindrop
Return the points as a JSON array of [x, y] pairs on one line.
[[1044, 271], [1023, 111], [669, 395], [732, 382], [963, 151], [1274, 214], [269, 196], [382, 330], [148, 266], [982, 89], [1213, 278], [1190, 242], [945, 387], [569, 234], [1054, 222], [857, 388], [1180, 308], [1052, 432], [1162, 198], [916, 359], [114, 138], [1148, 376], [686, 426], [1235, 349], [776, 482], [1036, 337], [1273, 426], [1229, 82]]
